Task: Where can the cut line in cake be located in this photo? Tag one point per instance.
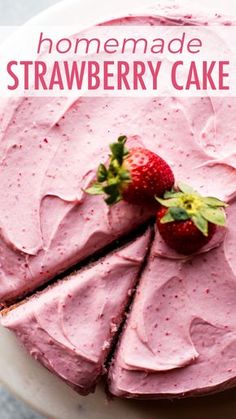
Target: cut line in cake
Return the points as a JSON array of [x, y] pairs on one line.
[[70, 326]]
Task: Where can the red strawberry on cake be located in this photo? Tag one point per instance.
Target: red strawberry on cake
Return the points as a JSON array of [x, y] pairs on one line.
[[135, 175], [187, 221]]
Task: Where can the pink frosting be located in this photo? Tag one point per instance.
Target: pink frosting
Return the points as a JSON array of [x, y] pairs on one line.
[[49, 152], [180, 337], [181, 334], [70, 326]]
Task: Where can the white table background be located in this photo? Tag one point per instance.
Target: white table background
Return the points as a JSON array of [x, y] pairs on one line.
[[16, 12]]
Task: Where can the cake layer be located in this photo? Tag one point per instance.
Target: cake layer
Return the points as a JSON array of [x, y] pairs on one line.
[[69, 327], [180, 338]]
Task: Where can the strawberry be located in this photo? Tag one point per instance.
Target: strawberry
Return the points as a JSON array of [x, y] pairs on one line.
[[135, 175], [187, 221]]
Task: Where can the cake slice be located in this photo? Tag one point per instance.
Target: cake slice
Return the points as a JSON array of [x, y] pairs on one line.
[[70, 326], [180, 337]]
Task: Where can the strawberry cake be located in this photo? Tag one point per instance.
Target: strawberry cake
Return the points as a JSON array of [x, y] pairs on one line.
[[180, 335]]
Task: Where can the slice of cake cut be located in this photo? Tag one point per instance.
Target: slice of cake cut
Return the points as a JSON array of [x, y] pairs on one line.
[[180, 337], [70, 326], [50, 149]]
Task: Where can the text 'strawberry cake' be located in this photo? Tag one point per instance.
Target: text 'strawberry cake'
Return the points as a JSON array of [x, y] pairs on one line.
[[69, 327]]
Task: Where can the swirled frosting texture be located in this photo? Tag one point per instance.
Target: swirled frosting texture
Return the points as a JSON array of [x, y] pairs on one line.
[[49, 151], [69, 327], [180, 337], [181, 334]]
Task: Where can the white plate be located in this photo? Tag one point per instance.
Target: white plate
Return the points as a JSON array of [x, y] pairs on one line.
[[26, 378]]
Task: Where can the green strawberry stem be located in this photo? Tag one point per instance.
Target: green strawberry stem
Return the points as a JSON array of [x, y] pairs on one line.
[[112, 179], [187, 204]]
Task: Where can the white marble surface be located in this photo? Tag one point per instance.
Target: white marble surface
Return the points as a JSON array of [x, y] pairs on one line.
[[16, 12], [11, 408]]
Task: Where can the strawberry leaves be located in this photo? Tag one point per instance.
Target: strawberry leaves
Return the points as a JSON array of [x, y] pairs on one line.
[[186, 188], [214, 215], [171, 202], [111, 180], [214, 202], [178, 214], [95, 189], [201, 223], [175, 214], [102, 173], [187, 204], [118, 149]]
